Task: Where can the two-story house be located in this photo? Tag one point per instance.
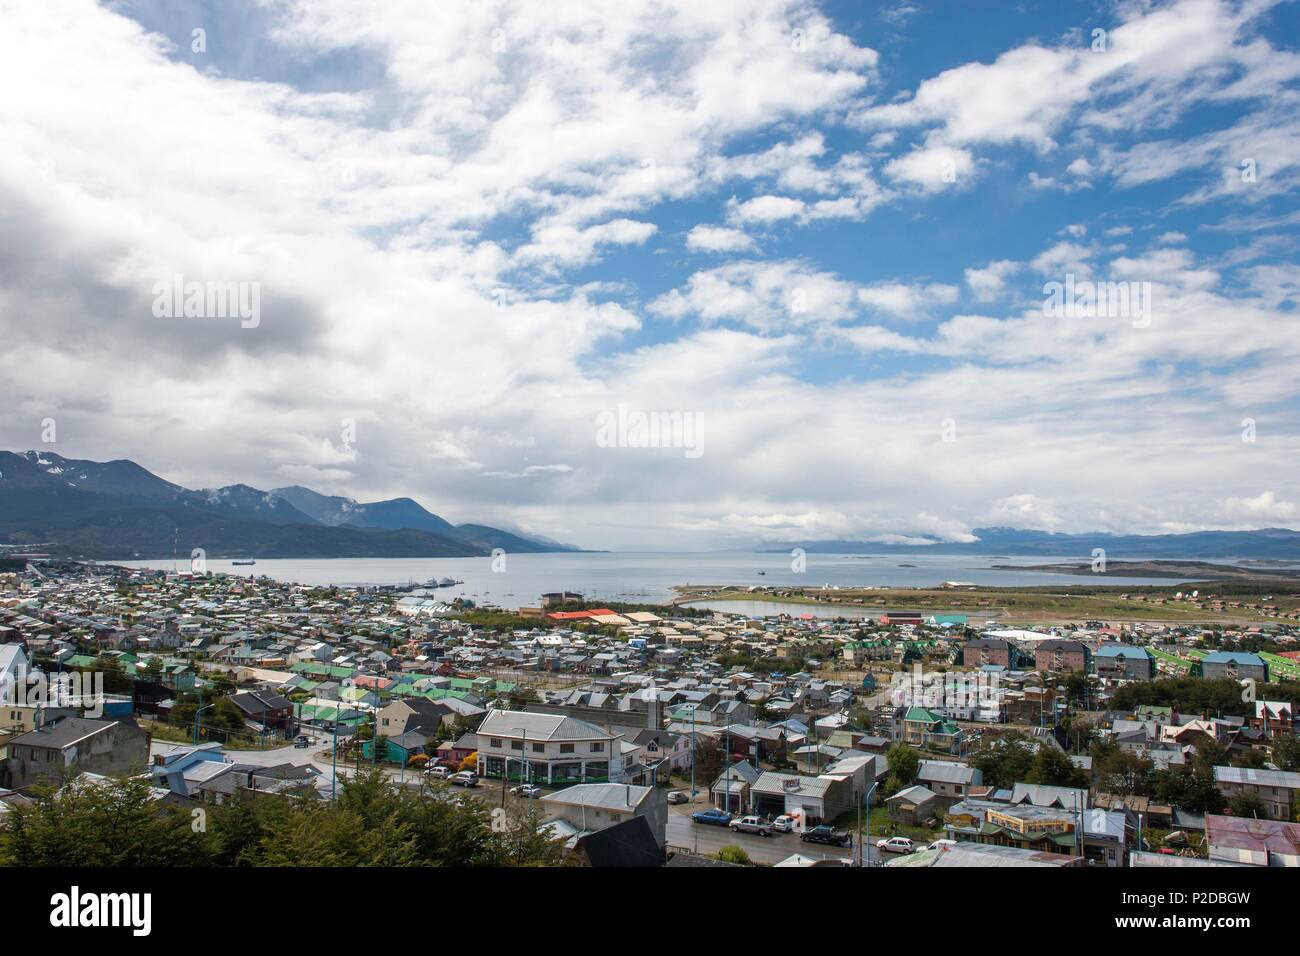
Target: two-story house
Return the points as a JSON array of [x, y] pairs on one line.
[[547, 748]]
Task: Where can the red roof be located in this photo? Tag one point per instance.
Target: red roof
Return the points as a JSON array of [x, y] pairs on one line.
[[578, 615]]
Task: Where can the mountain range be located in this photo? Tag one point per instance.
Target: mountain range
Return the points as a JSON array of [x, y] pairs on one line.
[[118, 510], [1279, 544]]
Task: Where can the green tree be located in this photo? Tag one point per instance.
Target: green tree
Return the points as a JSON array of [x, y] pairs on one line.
[[1003, 760], [109, 823], [904, 765], [1119, 771], [1246, 804], [1286, 751], [1052, 767]]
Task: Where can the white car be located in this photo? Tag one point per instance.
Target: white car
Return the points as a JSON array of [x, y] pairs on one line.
[[466, 778], [783, 824], [439, 773], [527, 790], [896, 845], [937, 844]]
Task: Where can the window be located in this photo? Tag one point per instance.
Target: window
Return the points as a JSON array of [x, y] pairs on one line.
[[566, 748], [597, 748], [539, 748], [494, 742], [516, 745]]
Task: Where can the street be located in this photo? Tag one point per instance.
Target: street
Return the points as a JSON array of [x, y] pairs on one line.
[[704, 838], [682, 831]]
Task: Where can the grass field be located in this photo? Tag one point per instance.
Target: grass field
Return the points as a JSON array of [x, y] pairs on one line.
[[1281, 666], [1007, 606]]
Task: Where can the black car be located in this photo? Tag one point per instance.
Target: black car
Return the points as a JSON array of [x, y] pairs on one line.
[[825, 834]]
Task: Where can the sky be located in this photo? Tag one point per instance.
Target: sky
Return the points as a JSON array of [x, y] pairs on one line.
[[841, 251]]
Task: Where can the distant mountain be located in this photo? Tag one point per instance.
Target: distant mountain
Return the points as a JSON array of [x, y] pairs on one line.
[[47, 470], [335, 510], [395, 513], [250, 504], [118, 510], [1275, 543]]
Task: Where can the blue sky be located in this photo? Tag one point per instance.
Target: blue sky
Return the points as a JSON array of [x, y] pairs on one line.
[[822, 232]]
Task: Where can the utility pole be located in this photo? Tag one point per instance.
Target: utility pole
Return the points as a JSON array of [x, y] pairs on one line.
[[693, 790], [726, 768]]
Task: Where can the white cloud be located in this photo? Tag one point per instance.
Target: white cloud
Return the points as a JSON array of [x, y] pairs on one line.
[[718, 239], [907, 301], [417, 234], [933, 168], [987, 283]]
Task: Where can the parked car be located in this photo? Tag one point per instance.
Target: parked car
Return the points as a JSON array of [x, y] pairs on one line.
[[783, 824], [714, 817], [825, 834], [941, 843], [527, 790], [896, 845], [466, 778], [301, 740], [752, 824], [439, 773], [679, 796]]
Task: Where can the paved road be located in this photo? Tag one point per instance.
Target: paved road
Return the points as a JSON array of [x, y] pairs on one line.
[[706, 838], [682, 831]]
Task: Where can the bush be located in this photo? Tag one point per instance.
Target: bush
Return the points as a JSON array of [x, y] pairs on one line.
[[733, 854]]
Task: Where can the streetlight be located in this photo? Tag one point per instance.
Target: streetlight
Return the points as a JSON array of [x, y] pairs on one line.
[[693, 790], [867, 800], [198, 723], [505, 762]]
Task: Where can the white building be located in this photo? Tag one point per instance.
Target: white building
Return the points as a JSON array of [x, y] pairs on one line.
[[547, 748]]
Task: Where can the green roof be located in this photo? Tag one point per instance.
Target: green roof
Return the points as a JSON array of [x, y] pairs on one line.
[[920, 714]]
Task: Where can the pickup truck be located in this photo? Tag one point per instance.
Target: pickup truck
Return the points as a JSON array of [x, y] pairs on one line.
[[825, 834], [717, 818], [752, 825]]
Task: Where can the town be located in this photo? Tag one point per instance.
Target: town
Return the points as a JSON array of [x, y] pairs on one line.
[[242, 719]]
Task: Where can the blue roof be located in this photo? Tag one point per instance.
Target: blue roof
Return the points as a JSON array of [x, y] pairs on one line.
[[1122, 650], [1233, 657]]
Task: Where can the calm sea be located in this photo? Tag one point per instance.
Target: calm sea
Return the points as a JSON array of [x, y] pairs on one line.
[[648, 577]]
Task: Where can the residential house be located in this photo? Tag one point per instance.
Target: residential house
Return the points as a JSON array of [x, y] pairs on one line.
[[1273, 717], [412, 713], [979, 651], [547, 747], [1124, 662], [1059, 656], [590, 807], [923, 728], [948, 780], [59, 750], [265, 709], [731, 789], [1234, 665], [1274, 789], [912, 806]]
